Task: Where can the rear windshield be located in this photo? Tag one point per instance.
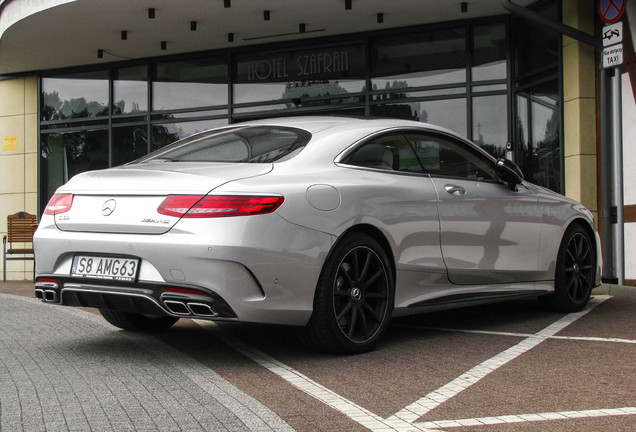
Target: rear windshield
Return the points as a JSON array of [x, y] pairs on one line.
[[251, 144]]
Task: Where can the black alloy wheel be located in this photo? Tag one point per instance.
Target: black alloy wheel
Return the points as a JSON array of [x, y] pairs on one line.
[[360, 294], [354, 298], [575, 271]]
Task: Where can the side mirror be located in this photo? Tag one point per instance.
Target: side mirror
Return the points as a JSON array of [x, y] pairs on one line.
[[509, 172]]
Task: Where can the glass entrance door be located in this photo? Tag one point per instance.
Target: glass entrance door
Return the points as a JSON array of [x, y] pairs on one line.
[[538, 135]]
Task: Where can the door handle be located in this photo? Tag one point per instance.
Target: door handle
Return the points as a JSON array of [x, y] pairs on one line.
[[454, 189]]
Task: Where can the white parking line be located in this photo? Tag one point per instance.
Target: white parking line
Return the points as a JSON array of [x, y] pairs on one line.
[[406, 419], [525, 418], [434, 399], [520, 335], [354, 411]]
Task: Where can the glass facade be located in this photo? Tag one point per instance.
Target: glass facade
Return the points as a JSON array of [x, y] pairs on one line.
[[538, 135], [130, 90], [65, 154], [71, 96], [429, 58], [465, 77], [537, 101], [189, 84]]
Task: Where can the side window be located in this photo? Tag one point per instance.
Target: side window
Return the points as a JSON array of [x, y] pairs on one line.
[[449, 158], [388, 152]]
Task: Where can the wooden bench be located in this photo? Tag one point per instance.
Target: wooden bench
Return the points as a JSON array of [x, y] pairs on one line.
[[20, 229]]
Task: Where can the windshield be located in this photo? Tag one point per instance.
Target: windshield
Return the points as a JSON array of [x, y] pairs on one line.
[[251, 144]]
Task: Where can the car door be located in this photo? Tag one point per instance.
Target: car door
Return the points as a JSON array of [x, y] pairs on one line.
[[403, 202], [489, 232]]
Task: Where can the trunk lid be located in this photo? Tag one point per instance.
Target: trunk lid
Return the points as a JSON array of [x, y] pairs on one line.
[[125, 199]]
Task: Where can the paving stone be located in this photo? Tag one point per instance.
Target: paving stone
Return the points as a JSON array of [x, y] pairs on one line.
[[63, 369]]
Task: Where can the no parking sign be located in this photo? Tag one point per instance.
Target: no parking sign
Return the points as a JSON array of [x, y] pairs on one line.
[[611, 10]]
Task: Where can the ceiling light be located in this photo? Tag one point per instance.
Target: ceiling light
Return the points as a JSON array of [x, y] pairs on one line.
[[151, 13]]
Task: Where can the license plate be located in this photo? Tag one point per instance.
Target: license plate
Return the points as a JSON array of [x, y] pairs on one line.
[[122, 269]]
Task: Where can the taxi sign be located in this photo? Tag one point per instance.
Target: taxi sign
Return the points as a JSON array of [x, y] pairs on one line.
[[611, 10], [612, 56]]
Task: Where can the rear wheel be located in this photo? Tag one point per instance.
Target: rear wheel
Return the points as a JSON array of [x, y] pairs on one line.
[[138, 322], [354, 298], [575, 272]]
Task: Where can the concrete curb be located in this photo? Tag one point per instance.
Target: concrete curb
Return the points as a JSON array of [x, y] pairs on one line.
[[616, 290]]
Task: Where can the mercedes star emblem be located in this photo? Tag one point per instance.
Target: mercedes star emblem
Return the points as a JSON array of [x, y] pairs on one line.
[[109, 207]]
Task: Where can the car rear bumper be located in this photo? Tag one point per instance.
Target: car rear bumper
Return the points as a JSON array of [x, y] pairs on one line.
[[142, 298], [258, 272]]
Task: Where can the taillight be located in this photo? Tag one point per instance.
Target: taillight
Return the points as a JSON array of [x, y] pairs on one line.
[[183, 291], [204, 206], [59, 203], [178, 205], [48, 280]]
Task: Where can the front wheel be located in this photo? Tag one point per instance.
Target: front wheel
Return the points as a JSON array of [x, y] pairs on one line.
[[575, 272], [354, 298], [138, 322]]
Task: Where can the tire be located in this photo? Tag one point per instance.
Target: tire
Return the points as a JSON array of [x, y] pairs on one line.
[[353, 300], [138, 322], [575, 272]]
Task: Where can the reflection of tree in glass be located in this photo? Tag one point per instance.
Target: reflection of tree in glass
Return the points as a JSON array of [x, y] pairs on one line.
[[403, 111], [161, 135], [314, 89], [75, 145], [492, 149], [52, 104], [525, 163], [395, 109], [120, 108], [551, 133], [497, 151], [548, 155], [130, 143], [57, 109], [540, 163], [86, 151]]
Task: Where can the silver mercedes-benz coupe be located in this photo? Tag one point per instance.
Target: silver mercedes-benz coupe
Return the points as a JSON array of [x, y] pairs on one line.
[[330, 224]]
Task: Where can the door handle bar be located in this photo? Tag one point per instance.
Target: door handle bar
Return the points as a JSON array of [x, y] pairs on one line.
[[454, 189]]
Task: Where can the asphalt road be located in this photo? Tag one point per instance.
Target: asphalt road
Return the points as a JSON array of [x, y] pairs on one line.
[[505, 367]]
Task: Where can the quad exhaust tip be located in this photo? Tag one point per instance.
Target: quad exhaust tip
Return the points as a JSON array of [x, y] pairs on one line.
[[49, 295], [190, 309], [202, 309], [176, 307]]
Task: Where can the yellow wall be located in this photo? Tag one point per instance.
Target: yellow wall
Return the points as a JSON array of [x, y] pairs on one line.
[[579, 108], [18, 167]]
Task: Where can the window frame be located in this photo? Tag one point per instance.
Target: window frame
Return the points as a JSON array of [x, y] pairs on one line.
[[468, 146]]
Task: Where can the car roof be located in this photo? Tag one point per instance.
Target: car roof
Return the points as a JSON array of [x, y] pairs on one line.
[[333, 135], [314, 124]]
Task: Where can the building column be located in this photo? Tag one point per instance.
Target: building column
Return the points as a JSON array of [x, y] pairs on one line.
[[579, 106], [18, 158]]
